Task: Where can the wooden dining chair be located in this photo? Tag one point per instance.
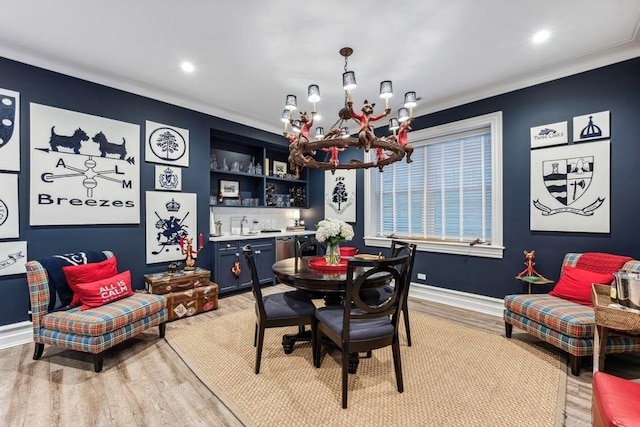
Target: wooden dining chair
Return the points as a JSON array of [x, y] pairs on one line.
[[357, 326], [379, 295], [291, 308], [308, 245]]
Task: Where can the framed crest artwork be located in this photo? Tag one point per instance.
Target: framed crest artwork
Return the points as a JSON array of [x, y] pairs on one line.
[[9, 130], [168, 178], [570, 188]]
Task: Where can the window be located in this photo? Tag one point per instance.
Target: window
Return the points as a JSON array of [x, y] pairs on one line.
[[449, 199]]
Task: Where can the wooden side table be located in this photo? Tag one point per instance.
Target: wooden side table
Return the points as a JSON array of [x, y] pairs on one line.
[[534, 280], [621, 321]]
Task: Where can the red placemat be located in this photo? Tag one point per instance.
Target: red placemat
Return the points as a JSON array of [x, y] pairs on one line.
[[319, 263]]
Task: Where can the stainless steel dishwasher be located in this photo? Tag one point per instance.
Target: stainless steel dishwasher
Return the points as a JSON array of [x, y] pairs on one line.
[[285, 247]]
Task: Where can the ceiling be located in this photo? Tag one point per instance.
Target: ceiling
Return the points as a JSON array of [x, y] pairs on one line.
[[250, 55]]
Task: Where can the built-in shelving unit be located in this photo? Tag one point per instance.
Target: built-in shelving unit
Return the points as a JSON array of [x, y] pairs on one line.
[[246, 170]]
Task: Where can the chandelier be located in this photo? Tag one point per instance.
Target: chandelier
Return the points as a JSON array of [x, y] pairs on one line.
[[303, 152]]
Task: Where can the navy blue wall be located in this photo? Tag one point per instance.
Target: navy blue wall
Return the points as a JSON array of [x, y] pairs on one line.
[[126, 241], [614, 88]]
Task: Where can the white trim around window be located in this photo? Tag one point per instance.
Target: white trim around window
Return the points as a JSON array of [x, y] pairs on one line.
[[493, 249]]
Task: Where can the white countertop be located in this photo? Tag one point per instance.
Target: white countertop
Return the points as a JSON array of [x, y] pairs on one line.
[[228, 237]]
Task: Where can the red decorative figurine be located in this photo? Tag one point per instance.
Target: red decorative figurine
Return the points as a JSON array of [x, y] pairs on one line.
[[529, 271], [190, 261], [366, 135]]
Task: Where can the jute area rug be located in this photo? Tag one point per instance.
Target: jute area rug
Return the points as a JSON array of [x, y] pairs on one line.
[[454, 375]]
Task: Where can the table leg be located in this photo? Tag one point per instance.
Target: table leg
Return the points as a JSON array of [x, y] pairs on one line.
[[289, 340], [599, 347]]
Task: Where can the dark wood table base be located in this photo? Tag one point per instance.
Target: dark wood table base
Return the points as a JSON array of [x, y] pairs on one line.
[[297, 273], [304, 335]]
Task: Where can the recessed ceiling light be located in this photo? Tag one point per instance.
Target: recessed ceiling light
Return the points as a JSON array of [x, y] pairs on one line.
[[540, 36], [187, 67]]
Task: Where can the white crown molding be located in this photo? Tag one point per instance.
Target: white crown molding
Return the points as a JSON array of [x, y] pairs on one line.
[[17, 52], [578, 65]]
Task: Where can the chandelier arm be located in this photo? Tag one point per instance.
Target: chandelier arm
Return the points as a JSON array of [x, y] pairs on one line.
[[304, 156]]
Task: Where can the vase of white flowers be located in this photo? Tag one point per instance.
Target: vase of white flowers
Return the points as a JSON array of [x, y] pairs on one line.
[[333, 232]]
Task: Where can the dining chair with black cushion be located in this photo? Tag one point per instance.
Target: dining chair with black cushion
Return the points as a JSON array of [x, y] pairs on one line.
[[379, 295], [292, 308], [307, 245], [357, 326]]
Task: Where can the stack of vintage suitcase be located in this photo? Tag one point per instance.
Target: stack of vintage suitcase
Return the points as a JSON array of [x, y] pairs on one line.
[[188, 292]]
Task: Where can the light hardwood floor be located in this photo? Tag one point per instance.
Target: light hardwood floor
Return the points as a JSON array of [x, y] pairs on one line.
[[144, 383]]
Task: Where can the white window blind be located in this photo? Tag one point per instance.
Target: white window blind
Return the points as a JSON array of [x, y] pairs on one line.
[[451, 192]]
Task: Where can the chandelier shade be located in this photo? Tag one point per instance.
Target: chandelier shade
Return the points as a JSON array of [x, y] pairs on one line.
[[291, 103], [313, 93], [323, 153], [410, 100], [349, 80], [403, 115]]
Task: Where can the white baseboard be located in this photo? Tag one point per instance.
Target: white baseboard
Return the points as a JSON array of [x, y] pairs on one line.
[[479, 303], [22, 332], [16, 334]]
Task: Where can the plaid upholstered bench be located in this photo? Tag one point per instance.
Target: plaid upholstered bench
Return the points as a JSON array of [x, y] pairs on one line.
[[92, 330], [565, 324]]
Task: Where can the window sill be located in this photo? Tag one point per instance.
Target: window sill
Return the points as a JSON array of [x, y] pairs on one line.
[[479, 250]]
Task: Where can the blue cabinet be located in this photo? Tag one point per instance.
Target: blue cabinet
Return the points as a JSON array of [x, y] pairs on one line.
[[226, 254]]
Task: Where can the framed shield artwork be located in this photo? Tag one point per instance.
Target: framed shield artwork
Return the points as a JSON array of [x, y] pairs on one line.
[[9, 130], [570, 188]]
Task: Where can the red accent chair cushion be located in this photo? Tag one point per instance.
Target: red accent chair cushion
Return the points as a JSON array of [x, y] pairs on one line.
[[100, 292], [599, 262], [616, 401], [575, 284], [85, 273]]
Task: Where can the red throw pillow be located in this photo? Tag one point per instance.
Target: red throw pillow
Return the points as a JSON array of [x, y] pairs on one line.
[[101, 292], [84, 273], [575, 284]]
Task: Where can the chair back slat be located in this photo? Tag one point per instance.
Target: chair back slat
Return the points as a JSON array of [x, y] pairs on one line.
[[255, 281], [399, 247], [355, 307]]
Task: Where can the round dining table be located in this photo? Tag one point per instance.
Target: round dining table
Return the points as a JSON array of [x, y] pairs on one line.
[[297, 272], [330, 284]]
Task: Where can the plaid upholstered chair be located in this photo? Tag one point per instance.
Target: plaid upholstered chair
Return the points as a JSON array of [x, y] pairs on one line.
[[88, 329], [557, 318]]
